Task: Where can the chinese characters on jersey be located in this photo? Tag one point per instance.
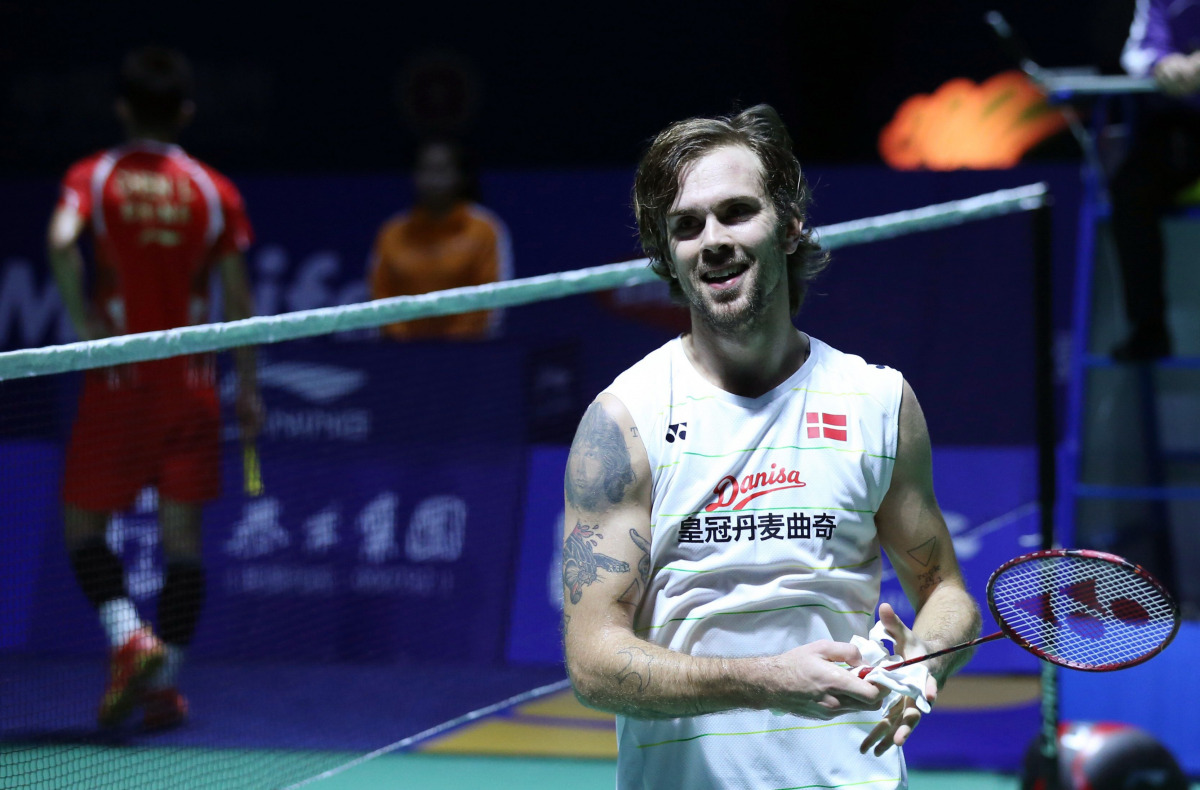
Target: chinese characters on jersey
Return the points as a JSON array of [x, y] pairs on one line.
[[727, 528]]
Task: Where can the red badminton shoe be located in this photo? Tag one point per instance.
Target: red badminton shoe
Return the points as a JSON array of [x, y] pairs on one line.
[[130, 667], [165, 708]]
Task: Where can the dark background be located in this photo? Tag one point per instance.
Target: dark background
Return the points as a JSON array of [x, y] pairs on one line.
[[322, 87]]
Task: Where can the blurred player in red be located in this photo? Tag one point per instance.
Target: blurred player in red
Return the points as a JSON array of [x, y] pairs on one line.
[[161, 223]]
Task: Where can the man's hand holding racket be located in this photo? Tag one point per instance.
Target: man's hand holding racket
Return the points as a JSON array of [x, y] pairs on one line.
[[250, 416], [904, 715], [813, 682]]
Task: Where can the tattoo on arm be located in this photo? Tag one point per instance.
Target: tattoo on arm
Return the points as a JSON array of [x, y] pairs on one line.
[[930, 578], [924, 553], [644, 561], [581, 564], [637, 588], [598, 469], [637, 668]]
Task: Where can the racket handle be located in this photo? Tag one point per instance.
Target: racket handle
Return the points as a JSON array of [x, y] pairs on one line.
[[251, 471], [864, 671]]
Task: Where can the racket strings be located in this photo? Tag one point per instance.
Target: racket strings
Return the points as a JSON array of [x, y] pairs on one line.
[[1083, 612]]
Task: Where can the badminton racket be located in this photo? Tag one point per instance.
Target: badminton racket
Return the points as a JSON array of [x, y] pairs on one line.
[[1076, 608]]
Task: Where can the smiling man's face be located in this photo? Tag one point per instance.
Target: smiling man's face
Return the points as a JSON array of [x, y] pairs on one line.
[[727, 249]]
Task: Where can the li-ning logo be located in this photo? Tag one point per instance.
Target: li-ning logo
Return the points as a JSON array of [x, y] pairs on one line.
[[752, 486], [677, 429]]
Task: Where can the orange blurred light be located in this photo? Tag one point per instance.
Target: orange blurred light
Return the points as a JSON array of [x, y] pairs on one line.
[[967, 126]]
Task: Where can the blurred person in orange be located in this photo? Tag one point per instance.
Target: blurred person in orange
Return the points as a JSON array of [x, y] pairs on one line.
[[446, 241]]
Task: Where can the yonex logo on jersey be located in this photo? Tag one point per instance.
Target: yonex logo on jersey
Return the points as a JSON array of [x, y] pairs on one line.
[[677, 429], [830, 426]]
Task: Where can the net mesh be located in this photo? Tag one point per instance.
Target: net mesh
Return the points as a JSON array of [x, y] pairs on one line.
[[364, 560], [1085, 612]]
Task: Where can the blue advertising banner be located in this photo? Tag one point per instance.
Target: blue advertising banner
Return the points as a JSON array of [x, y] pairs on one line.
[[386, 530], [535, 636], [931, 305], [987, 498]]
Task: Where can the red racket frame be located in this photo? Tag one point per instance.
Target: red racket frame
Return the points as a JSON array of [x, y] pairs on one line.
[[1006, 631]]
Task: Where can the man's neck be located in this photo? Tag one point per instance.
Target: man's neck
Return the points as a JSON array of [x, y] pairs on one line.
[[749, 364], [440, 211], [151, 135]]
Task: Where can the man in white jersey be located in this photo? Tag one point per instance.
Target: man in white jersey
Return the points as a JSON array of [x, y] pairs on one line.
[[728, 497]]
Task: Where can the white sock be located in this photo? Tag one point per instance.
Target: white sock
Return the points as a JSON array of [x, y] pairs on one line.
[[120, 619], [168, 676]]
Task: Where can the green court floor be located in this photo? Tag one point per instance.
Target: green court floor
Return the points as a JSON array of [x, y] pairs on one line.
[[77, 766], [506, 773]]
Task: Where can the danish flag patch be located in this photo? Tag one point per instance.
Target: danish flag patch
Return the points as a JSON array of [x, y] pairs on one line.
[[829, 426]]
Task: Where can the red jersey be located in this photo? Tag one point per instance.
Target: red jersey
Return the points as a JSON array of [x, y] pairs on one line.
[[160, 220]]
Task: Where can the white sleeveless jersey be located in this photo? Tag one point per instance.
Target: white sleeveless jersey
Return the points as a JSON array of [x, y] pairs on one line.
[[762, 539]]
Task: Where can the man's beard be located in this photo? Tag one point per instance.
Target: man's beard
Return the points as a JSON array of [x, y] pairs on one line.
[[729, 319]]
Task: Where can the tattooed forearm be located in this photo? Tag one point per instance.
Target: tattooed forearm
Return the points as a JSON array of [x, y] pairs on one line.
[[598, 469], [581, 564], [637, 668], [930, 578], [924, 553]]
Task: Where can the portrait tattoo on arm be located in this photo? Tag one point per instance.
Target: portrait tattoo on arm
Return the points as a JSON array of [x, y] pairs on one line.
[[598, 468], [581, 564]]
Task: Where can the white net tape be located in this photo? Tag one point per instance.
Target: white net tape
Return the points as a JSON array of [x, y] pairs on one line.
[[367, 315]]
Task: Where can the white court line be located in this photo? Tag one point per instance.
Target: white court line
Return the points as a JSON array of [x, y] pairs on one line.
[[466, 718]]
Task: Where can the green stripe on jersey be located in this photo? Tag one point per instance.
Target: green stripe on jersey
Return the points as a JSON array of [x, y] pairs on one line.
[[768, 509], [785, 568], [889, 780], [748, 611], [857, 450], [698, 399], [760, 732]]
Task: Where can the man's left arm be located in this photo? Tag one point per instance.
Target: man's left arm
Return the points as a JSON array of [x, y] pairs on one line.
[[913, 533], [239, 304]]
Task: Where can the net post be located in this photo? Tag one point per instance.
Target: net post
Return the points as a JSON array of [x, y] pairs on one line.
[[1043, 286], [1043, 299]]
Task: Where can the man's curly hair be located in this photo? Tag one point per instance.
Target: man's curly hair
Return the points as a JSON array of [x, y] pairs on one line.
[[759, 129]]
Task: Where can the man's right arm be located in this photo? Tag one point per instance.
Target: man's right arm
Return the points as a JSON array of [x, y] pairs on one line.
[[66, 262], [239, 304], [1151, 51], [606, 571]]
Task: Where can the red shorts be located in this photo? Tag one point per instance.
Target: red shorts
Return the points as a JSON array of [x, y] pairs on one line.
[[129, 436]]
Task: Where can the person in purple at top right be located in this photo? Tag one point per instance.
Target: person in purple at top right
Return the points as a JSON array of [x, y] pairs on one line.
[[1163, 158]]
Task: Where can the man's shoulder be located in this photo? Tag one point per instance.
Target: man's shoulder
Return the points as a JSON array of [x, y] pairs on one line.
[[852, 368], [831, 357], [483, 223], [394, 227], [85, 166], [639, 379], [224, 185]]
